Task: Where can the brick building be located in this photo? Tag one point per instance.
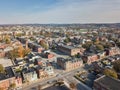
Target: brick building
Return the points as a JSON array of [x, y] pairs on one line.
[[69, 50], [69, 64], [106, 83]]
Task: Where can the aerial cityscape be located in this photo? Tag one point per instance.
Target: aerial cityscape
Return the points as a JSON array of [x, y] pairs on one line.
[[60, 45]]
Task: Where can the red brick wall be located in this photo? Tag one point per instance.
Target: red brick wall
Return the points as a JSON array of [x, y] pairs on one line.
[[18, 81], [6, 83]]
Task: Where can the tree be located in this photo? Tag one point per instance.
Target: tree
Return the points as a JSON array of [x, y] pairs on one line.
[[111, 73], [72, 86], [2, 69], [87, 45], [44, 44], [7, 39], [100, 47], [12, 55], [26, 51], [116, 66], [19, 34], [108, 45], [21, 51], [12, 86], [67, 40]]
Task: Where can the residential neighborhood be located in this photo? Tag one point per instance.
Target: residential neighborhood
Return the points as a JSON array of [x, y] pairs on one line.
[[44, 56]]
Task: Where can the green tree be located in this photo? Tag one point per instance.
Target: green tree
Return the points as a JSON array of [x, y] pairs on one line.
[[111, 73], [87, 45], [100, 47], [12, 55], [2, 69], [7, 39], [108, 45], [116, 66], [67, 40]]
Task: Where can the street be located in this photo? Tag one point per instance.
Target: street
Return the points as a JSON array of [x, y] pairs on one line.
[[66, 76]]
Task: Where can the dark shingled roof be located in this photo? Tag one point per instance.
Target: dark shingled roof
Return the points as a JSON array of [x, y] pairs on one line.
[[109, 83]]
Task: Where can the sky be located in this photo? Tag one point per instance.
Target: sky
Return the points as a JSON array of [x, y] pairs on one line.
[[59, 11]]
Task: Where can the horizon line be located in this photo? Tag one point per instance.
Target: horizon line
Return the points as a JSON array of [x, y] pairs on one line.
[[61, 23]]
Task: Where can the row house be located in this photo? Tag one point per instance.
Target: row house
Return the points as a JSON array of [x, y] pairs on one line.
[[40, 62], [90, 58], [49, 55], [69, 64], [113, 51], [44, 71], [41, 73], [49, 68], [17, 74], [3, 45], [10, 78], [35, 47], [69, 50], [29, 75], [5, 84], [22, 39], [101, 55]]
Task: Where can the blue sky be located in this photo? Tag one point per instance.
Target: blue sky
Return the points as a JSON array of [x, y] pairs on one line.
[[59, 11]]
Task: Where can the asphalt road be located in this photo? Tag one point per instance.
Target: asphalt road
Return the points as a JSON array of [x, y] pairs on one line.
[[67, 76]]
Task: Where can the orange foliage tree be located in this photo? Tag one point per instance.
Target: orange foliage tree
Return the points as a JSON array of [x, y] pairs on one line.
[[21, 51]]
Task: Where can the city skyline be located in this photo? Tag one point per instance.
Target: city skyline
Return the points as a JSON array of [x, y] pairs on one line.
[[59, 11]]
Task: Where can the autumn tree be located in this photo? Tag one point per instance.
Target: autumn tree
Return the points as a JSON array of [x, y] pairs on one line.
[[72, 86], [12, 86], [111, 73], [44, 44], [20, 51], [13, 54], [26, 51], [2, 69]]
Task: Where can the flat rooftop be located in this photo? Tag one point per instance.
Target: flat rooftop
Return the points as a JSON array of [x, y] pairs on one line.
[[109, 83], [5, 62]]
